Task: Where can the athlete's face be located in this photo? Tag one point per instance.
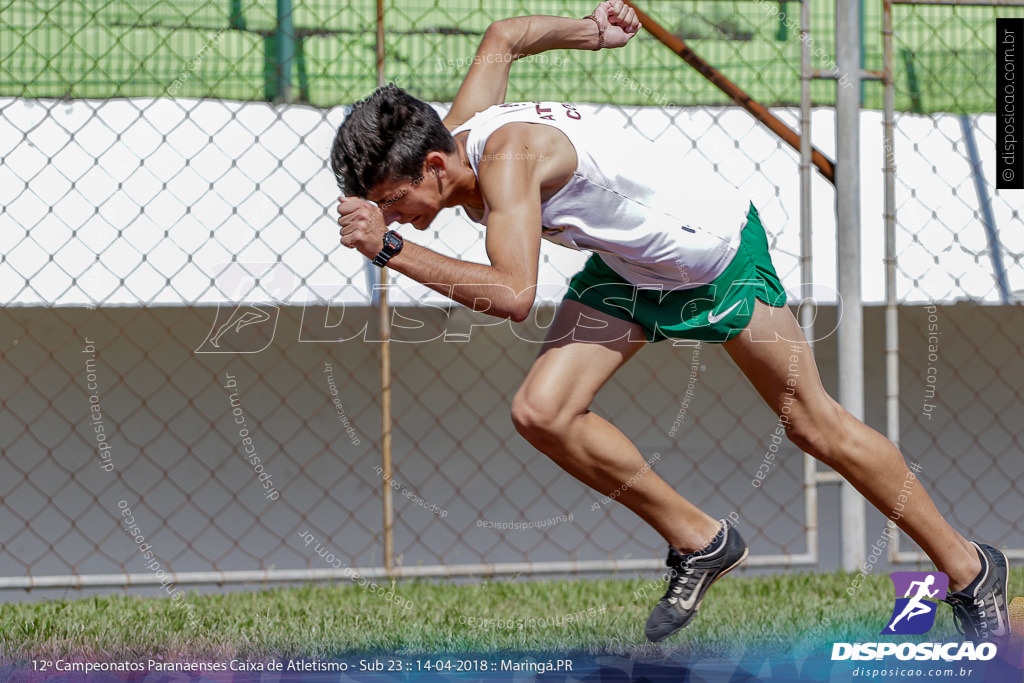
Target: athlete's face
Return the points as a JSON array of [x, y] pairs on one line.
[[406, 201]]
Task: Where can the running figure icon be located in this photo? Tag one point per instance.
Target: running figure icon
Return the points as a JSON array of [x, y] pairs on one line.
[[916, 606], [917, 594]]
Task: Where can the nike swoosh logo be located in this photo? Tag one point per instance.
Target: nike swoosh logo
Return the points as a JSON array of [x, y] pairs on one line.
[[688, 604], [1002, 630], [712, 318]]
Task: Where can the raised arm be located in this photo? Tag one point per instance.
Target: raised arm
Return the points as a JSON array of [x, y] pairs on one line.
[[614, 23]]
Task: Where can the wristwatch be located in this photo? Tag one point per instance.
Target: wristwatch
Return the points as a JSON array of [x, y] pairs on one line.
[[392, 246]]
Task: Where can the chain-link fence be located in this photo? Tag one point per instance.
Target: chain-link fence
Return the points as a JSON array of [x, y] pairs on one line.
[[959, 244], [186, 346], [153, 375], [231, 49]]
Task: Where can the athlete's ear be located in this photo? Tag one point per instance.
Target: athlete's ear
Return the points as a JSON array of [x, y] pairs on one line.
[[436, 164]]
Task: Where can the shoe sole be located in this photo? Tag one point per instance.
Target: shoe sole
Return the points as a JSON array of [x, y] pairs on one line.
[[1000, 555]]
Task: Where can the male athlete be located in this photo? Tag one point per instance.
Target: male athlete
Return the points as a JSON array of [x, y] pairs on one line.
[[675, 255]]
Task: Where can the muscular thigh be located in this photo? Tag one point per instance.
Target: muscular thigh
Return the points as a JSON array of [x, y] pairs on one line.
[[583, 349], [774, 355]]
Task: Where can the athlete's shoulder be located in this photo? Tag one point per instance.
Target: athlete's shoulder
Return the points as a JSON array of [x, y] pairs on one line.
[[486, 115], [481, 128]]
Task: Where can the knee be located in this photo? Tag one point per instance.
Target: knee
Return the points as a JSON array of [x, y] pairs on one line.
[[820, 431], [537, 419]]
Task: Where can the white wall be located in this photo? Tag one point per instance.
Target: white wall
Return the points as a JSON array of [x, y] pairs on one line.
[[166, 192], [178, 459]]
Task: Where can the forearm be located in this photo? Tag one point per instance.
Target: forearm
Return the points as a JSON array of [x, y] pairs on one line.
[[505, 41], [483, 288], [522, 36]]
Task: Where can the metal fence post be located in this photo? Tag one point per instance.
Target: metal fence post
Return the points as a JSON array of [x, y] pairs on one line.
[[851, 328], [284, 51], [808, 309], [237, 19], [385, 356], [892, 325]]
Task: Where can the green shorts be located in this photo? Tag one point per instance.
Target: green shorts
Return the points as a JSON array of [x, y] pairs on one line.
[[715, 312]]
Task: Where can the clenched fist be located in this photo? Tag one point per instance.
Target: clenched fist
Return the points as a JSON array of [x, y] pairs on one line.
[[362, 225], [618, 21]]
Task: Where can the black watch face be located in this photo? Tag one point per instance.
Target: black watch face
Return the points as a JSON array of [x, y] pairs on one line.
[[392, 241]]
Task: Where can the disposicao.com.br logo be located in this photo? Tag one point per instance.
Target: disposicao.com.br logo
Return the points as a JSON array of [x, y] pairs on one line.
[[916, 602], [947, 652]]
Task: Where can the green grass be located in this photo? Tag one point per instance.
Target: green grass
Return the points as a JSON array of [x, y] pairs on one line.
[[797, 613]]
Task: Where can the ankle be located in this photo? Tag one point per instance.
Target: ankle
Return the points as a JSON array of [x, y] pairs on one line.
[[698, 538], [966, 571]]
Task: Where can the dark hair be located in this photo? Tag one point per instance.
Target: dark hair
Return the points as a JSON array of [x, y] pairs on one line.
[[386, 137]]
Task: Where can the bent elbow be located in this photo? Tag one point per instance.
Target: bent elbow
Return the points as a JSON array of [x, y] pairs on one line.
[[497, 34], [519, 309], [519, 314], [501, 35]]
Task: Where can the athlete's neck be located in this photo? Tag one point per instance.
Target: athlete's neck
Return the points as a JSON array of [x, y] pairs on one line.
[[464, 190]]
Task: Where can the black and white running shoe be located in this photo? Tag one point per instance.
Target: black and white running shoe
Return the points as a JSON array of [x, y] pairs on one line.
[[979, 610], [690, 576]]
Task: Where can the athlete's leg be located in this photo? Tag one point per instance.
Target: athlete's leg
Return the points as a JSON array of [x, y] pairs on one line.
[[824, 429], [551, 410]]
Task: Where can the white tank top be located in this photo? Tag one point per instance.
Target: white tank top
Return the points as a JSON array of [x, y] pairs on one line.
[[653, 221]]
